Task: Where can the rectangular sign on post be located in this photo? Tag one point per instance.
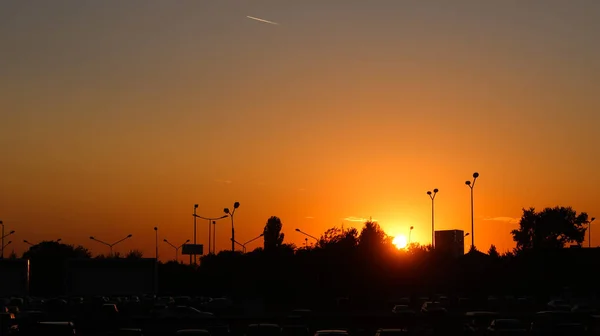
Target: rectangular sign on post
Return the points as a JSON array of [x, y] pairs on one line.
[[192, 249]]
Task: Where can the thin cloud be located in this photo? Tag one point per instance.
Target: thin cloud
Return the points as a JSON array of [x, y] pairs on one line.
[[224, 181], [301, 189], [509, 220], [262, 20], [309, 217], [357, 219]]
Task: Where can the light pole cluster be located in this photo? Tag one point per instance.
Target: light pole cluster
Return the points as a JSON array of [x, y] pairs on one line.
[[110, 246], [432, 194], [212, 229]]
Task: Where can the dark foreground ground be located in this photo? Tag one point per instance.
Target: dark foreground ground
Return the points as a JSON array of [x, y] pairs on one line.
[[165, 316]]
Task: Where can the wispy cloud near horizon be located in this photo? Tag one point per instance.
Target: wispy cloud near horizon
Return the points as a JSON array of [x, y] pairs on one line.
[[357, 219], [509, 220], [224, 181], [262, 20], [309, 217]]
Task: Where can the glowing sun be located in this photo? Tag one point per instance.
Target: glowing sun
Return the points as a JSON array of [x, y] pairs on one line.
[[400, 241]]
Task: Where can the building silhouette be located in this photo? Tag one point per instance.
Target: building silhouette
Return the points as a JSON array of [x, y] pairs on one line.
[[451, 242]]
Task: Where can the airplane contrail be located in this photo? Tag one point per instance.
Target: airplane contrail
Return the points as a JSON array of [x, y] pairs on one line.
[[261, 20]]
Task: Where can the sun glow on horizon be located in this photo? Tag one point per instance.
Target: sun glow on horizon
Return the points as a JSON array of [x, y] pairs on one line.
[[400, 241]]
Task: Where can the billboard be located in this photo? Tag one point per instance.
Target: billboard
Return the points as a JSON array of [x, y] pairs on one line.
[[14, 277], [111, 276], [192, 249]]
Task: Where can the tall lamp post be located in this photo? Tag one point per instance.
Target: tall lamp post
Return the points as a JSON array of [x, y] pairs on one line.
[[251, 240], [4, 236], [156, 243], [432, 196], [471, 185], [214, 236], [590, 231], [111, 245], [306, 234], [176, 248], [409, 234], [194, 255], [230, 214], [210, 231]]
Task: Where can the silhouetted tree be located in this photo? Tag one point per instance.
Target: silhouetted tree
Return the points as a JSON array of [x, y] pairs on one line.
[[134, 254], [372, 237], [550, 228], [493, 252], [273, 238], [344, 238]]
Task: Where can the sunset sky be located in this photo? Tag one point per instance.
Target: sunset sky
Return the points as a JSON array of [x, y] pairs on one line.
[[118, 116]]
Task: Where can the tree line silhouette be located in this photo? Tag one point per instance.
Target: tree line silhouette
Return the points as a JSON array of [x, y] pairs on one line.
[[364, 265]]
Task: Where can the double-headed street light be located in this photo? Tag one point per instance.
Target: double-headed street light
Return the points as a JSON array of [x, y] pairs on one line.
[[471, 185], [306, 234], [176, 248], [2, 238], [240, 244], [230, 214], [111, 245], [211, 231], [243, 246], [432, 196], [590, 231]]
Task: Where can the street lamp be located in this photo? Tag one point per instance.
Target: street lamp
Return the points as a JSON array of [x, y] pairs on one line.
[[156, 242], [31, 244], [2, 238], [251, 240], [2, 235], [432, 196], [3, 246], [471, 185], [410, 233], [194, 256], [233, 242], [590, 231], [214, 221], [110, 245], [306, 234], [176, 248], [231, 213], [466, 234]]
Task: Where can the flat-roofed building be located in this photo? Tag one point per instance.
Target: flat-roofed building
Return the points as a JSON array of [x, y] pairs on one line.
[[450, 241]]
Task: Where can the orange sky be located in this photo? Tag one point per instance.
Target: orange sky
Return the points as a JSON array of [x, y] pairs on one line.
[[118, 117]]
